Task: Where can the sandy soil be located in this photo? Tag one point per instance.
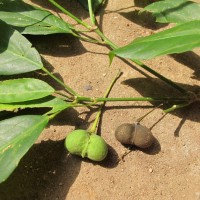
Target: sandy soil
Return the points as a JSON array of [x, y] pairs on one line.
[[168, 170]]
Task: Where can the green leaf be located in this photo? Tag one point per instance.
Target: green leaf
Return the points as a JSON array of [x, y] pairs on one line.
[[178, 39], [16, 54], [55, 103], [25, 89], [178, 11], [17, 135], [31, 20], [95, 4]]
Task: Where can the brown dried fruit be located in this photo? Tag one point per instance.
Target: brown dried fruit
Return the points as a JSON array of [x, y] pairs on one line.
[[134, 134]]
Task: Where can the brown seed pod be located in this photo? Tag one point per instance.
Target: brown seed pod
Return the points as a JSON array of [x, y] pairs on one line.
[[124, 133], [134, 134]]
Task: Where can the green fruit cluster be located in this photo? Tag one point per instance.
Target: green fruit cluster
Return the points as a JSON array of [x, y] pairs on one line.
[[84, 144]]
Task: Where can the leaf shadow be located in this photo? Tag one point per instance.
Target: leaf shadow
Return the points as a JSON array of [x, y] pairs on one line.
[[143, 3], [5, 37], [59, 45], [72, 6], [146, 87], [144, 19], [191, 60], [45, 172]]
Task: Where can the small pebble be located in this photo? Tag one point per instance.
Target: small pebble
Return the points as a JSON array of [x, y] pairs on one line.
[[150, 170], [88, 87]]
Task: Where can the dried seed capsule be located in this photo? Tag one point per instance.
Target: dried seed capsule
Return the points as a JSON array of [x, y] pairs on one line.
[[124, 133], [143, 137], [134, 134]]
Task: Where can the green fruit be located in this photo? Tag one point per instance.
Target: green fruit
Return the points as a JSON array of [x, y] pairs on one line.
[[76, 142], [84, 144], [97, 149]]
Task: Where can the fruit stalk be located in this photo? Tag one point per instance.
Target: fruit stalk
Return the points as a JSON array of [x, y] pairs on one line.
[[94, 127]]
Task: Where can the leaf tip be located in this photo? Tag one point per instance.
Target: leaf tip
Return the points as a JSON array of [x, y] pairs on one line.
[[111, 56]]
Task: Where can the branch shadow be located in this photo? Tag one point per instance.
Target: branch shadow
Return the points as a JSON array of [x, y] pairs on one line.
[[101, 13], [178, 129], [191, 60], [45, 77], [153, 87], [45, 172]]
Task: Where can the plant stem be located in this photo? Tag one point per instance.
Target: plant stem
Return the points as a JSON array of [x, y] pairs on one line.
[[166, 80], [67, 88], [114, 46], [141, 64], [64, 95], [103, 99], [91, 40], [92, 17], [53, 115], [94, 127], [138, 62], [70, 14], [175, 107]]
